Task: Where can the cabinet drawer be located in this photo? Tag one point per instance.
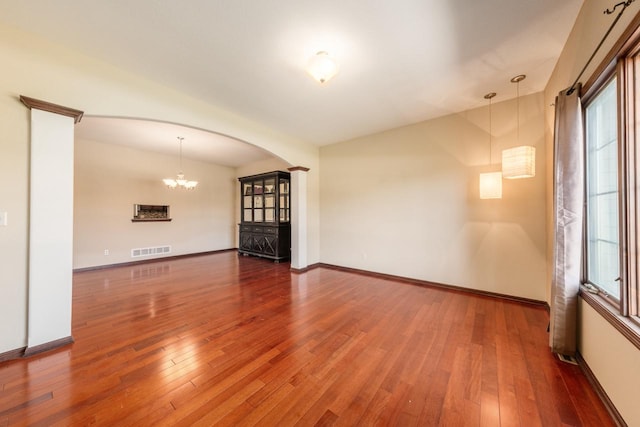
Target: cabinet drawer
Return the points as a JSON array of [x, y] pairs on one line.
[[261, 230]]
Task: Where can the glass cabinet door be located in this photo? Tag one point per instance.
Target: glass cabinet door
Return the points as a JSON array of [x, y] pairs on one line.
[[258, 201], [247, 189], [265, 199], [284, 200], [269, 185], [247, 202], [269, 200]]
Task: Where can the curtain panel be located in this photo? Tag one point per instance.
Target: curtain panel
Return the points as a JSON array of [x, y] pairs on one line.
[[568, 221]]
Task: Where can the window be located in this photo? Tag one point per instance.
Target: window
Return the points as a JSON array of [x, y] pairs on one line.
[[602, 242], [612, 189]]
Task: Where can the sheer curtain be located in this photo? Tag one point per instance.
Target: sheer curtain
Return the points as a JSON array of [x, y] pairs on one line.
[[568, 203]]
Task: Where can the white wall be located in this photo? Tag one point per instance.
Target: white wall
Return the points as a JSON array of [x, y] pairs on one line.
[[405, 202], [613, 360], [110, 179], [51, 227]]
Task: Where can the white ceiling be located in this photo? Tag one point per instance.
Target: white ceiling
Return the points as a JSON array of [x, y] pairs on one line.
[[401, 61]]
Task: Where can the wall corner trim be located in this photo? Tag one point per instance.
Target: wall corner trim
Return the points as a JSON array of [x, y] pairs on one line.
[[52, 108]]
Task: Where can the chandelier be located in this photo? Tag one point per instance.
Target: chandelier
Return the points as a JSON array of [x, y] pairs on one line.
[[180, 180]]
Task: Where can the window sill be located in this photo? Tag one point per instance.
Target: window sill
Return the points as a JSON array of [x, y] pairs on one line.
[[624, 325]]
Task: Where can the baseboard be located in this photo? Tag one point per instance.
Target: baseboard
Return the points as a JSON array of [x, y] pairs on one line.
[[418, 282], [305, 269], [48, 346], [12, 354], [602, 394], [150, 260]]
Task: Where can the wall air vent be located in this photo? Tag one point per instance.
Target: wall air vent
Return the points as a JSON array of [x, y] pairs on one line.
[[158, 250]]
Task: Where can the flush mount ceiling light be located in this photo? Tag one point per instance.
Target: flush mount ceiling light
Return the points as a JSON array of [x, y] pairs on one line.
[[490, 182], [322, 67], [520, 161], [180, 181]]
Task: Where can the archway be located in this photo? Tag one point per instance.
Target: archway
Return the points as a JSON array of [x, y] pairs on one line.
[[52, 126]]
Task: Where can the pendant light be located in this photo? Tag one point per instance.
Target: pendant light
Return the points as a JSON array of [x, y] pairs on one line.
[[490, 182], [180, 180], [520, 161]]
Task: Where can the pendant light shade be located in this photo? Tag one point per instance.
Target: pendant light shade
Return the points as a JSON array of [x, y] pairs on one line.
[[520, 161], [322, 67], [491, 185], [490, 182]]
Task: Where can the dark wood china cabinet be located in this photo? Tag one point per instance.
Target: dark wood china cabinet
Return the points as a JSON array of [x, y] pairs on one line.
[[265, 209]]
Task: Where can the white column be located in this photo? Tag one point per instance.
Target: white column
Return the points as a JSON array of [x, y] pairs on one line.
[[299, 217], [50, 230]]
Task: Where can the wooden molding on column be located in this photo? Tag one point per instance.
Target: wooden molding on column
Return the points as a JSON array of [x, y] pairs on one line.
[[298, 168], [52, 108]]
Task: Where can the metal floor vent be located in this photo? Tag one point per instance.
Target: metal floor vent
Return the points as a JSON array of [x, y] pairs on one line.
[[158, 250], [568, 359]]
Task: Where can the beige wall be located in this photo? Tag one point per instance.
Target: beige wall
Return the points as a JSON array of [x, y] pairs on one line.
[[110, 179], [14, 196], [613, 360], [405, 202]]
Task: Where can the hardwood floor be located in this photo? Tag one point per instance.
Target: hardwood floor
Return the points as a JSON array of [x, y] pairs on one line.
[[228, 340]]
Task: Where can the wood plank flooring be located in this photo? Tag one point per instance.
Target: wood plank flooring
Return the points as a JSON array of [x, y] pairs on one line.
[[227, 340]]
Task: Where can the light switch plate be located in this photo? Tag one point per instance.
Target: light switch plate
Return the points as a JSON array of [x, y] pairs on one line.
[[3, 219]]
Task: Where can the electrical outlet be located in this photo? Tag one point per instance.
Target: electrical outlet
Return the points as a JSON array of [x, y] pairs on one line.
[[106, 251], [3, 219]]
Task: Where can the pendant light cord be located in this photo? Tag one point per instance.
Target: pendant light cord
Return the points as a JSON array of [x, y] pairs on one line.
[[490, 135], [624, 5], [490, 96], [180, 138], [518, 111], [517, 80]]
